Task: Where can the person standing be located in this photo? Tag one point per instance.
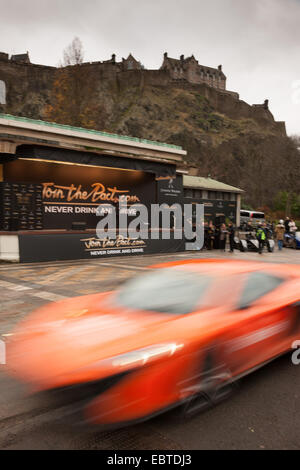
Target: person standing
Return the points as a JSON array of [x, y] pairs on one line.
[[293, 226], [287, 225], [261, 237], [279, 231], [206, 235], [270, 227], [231, 232], [223, 235], [210, 235]]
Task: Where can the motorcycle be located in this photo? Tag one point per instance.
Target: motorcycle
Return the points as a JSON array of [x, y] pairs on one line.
[[292, 240], [248, 242]]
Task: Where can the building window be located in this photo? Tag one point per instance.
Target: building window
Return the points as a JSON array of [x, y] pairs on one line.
[[197, 193], [2, 92], [226, 196], [233, 197], [193, 193], [188, 193], [212, 195]]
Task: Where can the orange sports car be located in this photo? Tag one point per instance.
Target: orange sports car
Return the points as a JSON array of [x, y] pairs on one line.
[[179, 334]]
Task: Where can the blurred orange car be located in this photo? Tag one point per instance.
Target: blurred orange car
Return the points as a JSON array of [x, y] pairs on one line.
[[179, 334]]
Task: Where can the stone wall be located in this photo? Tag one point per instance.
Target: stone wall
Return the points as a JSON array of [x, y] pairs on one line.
[[25, 88]]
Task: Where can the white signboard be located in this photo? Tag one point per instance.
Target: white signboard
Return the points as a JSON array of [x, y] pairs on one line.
[[2, 92], [2, 353]]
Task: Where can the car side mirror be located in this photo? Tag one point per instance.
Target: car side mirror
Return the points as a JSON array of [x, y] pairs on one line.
[[244, 307], [296, 305]]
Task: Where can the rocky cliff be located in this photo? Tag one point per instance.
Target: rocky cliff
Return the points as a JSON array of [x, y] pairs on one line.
[[225, 137]]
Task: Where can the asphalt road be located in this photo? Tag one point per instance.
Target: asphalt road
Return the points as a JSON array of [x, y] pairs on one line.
[[263, 413]]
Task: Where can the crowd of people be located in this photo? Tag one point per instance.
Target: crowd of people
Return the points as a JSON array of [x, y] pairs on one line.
[[289, 225], [216, 237], [284, 227]]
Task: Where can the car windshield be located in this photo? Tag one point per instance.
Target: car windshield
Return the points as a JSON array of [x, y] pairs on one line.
[[165, 291], [257, 215]]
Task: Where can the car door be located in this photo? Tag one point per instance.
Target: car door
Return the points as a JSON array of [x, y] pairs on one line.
[[257, 328]]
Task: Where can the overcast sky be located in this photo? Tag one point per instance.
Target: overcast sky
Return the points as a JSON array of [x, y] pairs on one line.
[[257, 41]]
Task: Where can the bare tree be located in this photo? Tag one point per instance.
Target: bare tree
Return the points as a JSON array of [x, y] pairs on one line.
[[71, 101], [296, 139], [73, 54]]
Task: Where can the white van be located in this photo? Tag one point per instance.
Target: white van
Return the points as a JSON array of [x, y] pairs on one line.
[[253, 216]]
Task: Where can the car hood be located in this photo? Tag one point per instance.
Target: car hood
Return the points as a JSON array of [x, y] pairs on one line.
[[69, 340]]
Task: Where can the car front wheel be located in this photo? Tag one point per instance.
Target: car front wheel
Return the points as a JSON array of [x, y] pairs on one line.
[[213, 385]]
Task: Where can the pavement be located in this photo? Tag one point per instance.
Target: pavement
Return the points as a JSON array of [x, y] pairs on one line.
[[262, 414]]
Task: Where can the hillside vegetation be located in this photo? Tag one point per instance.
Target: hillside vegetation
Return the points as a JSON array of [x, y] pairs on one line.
[[225, 137], [252, 153]]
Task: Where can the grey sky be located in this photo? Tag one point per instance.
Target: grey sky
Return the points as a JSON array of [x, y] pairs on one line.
[[257, 41]]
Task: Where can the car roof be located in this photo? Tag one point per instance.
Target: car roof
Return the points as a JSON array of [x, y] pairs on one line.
[[251, 212], [220, 267]]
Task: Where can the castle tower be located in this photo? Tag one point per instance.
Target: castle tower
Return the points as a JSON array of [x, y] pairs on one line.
[[190, 70]]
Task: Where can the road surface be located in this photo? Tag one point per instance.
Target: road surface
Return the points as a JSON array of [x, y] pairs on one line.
[[264, 412]]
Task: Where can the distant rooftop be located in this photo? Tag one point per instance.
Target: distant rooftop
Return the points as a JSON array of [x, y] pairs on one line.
[[24, 58], [198, 182], [87, 131]]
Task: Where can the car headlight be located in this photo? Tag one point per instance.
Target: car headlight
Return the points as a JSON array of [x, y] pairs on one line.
[[144, 355], [136, 358]]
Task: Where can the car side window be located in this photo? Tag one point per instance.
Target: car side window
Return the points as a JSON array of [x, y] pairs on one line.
[[256, 286]]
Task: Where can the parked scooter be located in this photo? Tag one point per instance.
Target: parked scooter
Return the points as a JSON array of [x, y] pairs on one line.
[[292, 240], [270, 245], [247, 241], [252, 241], [240, 244]]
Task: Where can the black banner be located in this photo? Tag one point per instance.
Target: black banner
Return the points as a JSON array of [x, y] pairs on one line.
[[87, 158], [65, 204], [155, 459], [72, 194], [170, 191], [70, 246], [7, 157], [216, 210], [21, 207]]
